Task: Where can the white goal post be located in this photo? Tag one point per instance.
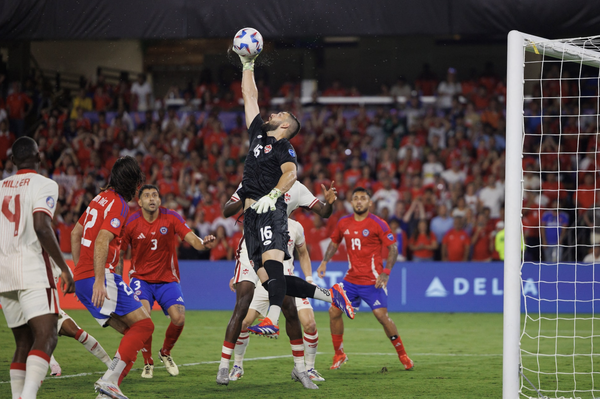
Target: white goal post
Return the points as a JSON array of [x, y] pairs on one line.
[[546, 54]]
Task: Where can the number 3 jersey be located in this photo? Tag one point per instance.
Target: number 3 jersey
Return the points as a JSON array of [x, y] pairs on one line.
[[107, 211], [23, 262], [364, 241], [154, 245]]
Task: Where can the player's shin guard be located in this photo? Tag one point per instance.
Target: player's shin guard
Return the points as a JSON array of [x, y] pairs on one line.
[[17, 379], [147, 352], [240, 348], [276, 286], [93, 346], [36, 369], [226, 352], [298, 353], [300, 288], [311, 343], [171, 337], [338, 343]]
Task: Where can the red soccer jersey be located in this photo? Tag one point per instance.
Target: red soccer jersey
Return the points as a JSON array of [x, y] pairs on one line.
[[364, 242], [108, 211], [154, 245]]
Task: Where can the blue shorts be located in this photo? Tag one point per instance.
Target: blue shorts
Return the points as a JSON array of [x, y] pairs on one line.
[[122, 299], [374, 297], [166, 294]]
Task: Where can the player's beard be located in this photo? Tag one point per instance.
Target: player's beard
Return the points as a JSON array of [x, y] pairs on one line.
[[362, 211], [270, 126]]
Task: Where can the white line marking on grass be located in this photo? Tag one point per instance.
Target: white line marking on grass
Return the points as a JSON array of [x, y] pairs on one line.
[[283, 357]]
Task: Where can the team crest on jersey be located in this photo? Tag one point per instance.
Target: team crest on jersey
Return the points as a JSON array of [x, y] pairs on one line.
[[50, 202], [136, 297], [245, 271], [138, 292], [292, 153], [115, 222], [365, 232], [163, 230], [391, 237], [268, 149]]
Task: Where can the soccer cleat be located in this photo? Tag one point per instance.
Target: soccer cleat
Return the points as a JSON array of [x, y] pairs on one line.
[[148, 371], [102, 396], [236, 373], [109, 389], [408, 364], [55, 369], [304, 379], [314, 375], [223, 377], [340, 300], [266, 328], [169, 363], [338, 360]]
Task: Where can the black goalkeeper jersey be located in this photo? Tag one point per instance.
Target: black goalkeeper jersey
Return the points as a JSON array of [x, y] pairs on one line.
[[262, 169]]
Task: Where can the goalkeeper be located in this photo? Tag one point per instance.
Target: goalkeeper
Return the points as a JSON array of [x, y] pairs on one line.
[[269, 172]]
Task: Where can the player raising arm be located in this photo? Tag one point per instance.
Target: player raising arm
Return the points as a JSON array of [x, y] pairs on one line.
[[95, 242], [28, 293], [367, 279], [152, 235]]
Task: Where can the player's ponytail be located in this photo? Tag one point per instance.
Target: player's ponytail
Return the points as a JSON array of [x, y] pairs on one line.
[[125, 177]]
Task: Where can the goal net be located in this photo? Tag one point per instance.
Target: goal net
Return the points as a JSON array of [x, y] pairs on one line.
[[552, 281]]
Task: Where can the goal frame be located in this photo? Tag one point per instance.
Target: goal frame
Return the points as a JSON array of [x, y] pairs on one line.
[[518, 44]]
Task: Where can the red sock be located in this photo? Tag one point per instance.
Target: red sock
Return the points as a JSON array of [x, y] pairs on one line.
[[397, 342], [172, 335], [125, 372], [338, 343], [147, 351], [133, 341]]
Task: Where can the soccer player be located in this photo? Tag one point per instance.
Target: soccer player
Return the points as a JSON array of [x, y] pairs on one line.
[[152, 233], [260, 306], [246, 279], [96, 241], [28, 293], [366, 280]]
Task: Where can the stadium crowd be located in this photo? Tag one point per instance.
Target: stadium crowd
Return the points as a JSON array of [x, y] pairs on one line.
[[435, 170]]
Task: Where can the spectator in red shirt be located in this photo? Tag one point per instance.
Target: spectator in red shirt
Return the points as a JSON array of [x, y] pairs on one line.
[[481, 242], [335, 90], [19, 105], [456, 243], [63, 230], [6, 140], [352, 175], [222, 250], [210, 209], [167, 184], [423, 243]]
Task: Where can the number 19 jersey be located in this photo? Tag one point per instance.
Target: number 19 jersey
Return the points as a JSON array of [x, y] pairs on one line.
[[23, 262], [108, 211]]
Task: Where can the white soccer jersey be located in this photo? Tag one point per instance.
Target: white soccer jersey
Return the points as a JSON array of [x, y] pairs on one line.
[[296, 232], [23, 263], [296, 197]]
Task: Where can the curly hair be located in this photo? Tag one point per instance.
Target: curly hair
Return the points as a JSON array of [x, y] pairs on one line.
[[125, 177]]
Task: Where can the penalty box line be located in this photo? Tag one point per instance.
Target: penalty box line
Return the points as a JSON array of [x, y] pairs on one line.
[[279, 357]]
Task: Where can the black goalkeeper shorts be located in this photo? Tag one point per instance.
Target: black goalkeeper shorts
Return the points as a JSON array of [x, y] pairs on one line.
[[265, 232]]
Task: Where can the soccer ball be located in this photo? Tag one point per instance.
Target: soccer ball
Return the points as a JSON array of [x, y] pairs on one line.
[[248, 41]]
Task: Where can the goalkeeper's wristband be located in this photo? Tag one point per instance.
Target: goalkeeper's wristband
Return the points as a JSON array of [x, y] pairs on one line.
[[275, 193], [386, 271], [248, 65], [309, 279]]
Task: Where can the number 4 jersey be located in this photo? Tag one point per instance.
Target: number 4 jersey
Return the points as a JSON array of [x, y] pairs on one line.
[[23, 263], [108, 211], [365, 241]]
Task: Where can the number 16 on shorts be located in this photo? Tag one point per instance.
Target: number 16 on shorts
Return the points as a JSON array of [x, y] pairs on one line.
[[265, 235]]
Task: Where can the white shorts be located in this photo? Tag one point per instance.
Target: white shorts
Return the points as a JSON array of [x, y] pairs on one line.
[[260, 301], [244, 270], [23, 305], [62, 317]]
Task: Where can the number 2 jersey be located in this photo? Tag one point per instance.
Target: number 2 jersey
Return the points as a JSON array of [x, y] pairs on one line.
[[107, 211], [364, 241], [23, 262], [154, 245]]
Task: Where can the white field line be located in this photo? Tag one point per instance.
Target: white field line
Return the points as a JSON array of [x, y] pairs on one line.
[[283, 357]]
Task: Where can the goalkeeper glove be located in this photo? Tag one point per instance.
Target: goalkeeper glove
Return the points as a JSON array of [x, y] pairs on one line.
[[267, 202], [248, 62]]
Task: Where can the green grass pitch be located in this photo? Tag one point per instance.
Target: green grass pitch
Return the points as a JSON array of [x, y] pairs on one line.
[[456, 356]]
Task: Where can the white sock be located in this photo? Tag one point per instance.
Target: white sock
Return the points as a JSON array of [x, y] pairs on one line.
[[115, 369], [311, 342], [17, 380], [273, 315], [36, 370], [298, 353], [53, 361], [240, 348], [323, 294], [91, 344], [225, 356]]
